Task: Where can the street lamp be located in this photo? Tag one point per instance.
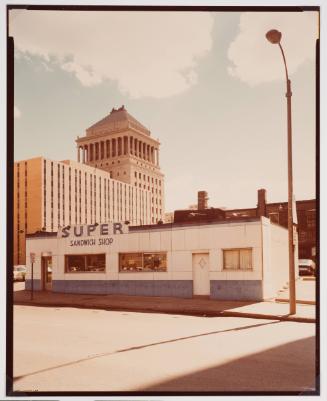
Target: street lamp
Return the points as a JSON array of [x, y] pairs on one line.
[[274, 36], [19, 245]]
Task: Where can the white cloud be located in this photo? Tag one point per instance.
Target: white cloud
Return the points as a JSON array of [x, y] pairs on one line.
[[17, 113], [255, 60], [147, 53], [87, 77], [46, 66]]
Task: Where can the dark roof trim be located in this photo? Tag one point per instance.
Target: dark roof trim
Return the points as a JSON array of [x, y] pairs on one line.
[[166, 226], [41, 234], [285, 203], [193, 224]]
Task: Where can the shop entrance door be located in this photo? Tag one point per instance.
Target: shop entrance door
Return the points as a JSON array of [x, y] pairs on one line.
[[46, 262], [201, 280]]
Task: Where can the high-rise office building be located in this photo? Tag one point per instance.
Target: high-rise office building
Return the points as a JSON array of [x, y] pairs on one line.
[[123, 184]]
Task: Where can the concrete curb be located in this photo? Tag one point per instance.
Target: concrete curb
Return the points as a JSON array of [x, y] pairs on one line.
[[190, 312], [298, 301]]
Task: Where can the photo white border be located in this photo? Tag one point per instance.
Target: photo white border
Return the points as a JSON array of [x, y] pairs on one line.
[[323, 181]]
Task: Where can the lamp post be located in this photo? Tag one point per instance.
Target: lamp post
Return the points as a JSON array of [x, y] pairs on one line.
[[274, 36], [19, 245]]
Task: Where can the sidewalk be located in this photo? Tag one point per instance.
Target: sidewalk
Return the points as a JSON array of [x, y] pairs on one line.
[[193, 306], [305, 291]]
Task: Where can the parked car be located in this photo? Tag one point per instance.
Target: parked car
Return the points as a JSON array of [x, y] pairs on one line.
[[307, 267], [19, 273]]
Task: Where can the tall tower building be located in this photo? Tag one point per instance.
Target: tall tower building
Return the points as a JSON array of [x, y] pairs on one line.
[[122, 146]]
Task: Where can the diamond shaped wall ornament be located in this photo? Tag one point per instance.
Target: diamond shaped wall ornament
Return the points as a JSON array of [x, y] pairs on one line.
[[202, 263]]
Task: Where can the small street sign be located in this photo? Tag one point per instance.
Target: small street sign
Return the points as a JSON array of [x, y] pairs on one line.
[[32, 256]]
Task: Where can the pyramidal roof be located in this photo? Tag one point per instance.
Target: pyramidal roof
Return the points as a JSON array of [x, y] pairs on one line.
[[117, 119]]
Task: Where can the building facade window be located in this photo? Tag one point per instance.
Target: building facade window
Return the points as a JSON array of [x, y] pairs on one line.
[[143, 262], [63, 194], [44, 194], [311, 218], [95, 198], [85, 201], [113, 200], [70, 198], [25, 201], [85, 263], [91, 197], [75, 195], [58, 198], [51, 201], [80, 196], [105, 199], [237, 259], [108, 203], [303, 235], [100, 204]]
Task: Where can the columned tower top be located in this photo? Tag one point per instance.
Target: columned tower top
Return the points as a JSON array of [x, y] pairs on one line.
[[118, 135], [116, 120], [122, 146]]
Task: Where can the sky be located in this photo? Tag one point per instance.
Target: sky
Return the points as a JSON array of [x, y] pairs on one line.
[[207, 84]]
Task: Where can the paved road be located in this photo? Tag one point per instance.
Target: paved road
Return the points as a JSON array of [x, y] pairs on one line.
[[67, 349]]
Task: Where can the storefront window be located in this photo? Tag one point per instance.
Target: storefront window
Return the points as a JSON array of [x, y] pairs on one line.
[[130, 262], [143, 262], [95, 263], [155, 261], [85, 263], [75, 263], [238, 259]]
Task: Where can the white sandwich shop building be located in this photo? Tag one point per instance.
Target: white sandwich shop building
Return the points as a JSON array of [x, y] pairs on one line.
[[227, 260]]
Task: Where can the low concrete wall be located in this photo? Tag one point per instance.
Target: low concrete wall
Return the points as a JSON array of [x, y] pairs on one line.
[[236, 290], [168, 288], [36, 286], [239, 290]]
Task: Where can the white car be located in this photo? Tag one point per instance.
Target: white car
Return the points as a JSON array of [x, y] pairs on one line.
[[19, 272], [307, 267]]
